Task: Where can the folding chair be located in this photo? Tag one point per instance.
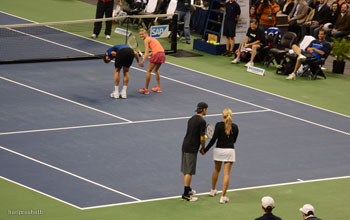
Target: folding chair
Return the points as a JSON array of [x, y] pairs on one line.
[[277, 55]]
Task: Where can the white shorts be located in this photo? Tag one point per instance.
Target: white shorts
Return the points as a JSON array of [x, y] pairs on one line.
[[224, 154]]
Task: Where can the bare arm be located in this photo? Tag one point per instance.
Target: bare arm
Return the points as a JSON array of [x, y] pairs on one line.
[[145, 55]]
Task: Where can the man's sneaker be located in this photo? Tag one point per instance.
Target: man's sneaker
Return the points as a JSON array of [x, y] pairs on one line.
[[94, 36], [123, 95], [250, 63], [144, 91], [157, 89], [115, 94], [301, 58], [213, 192], [224, 199], [229, 54], [108, 37], [189, 198], [236, 60], [291, 76], [192, 192]]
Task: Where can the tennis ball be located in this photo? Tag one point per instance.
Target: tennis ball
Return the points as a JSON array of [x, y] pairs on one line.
[[206, 136]]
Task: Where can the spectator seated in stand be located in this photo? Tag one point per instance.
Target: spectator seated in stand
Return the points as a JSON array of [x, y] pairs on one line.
[[287, 7], [333, 15], [342, 25], [297, 16], [321, 16]]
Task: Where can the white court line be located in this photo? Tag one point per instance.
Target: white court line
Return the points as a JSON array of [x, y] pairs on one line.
[[216, 77], [259, 90], [69, 173], [122, 123], [52, 42], [42, 193], [230, 190], [65, 99], [261, 106], [249, 103]]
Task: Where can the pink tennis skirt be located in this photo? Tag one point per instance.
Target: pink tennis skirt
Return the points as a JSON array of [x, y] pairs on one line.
[[158, 58]]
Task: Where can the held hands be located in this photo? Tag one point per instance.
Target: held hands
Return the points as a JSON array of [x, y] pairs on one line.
[[202, 151]]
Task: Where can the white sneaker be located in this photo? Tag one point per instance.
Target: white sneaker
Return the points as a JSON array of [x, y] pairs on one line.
[[249, 64], [193, 192], [224, 199], [291, 76], [236, 60], [94, 36], [123, 95], [213, 192], [115, 94], [108, 37], [301, 58]]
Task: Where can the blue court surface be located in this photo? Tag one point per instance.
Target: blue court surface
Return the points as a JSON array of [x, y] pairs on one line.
[[61, 133]]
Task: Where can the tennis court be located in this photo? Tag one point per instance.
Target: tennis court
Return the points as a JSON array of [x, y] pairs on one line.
[[63, 136]]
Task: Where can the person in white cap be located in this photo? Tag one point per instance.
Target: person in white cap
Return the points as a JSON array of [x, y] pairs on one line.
[[308, 212], [267, 204]]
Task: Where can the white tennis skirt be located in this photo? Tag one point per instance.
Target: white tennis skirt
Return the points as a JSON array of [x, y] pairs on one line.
[[224, 154]]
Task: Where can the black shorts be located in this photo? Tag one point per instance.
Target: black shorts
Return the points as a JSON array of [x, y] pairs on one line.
[[188, 163], [309, 56], [124, 57], [229, 29]]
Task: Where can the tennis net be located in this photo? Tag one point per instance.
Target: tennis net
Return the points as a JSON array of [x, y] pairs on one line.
[[71, 40]]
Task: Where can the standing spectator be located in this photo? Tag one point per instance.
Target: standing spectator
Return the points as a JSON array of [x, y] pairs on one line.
[[253, 40], [267, 205], [321, 17], [156, 60], [287, 7], [104, 7], [183, 9], [267, 11], [342, 25], [308, 212], [195, 136], [297, 16], [232, 14], [226, 134]]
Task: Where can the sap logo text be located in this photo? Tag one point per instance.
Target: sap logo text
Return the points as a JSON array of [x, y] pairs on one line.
[[159, 31]]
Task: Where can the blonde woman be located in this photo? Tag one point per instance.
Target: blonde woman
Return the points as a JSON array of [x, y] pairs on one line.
[[157, 58], [226, 134]]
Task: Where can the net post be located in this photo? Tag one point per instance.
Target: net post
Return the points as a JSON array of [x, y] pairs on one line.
[[174, 33]]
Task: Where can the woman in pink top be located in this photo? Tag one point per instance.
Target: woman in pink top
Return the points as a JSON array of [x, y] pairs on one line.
[[157, 58]]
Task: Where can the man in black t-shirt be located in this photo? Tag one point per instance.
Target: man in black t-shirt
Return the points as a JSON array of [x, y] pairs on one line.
[[253, 41], [195, 136]]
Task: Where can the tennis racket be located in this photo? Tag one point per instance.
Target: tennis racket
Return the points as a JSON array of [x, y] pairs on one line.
[[210, 131], [132, 42]]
